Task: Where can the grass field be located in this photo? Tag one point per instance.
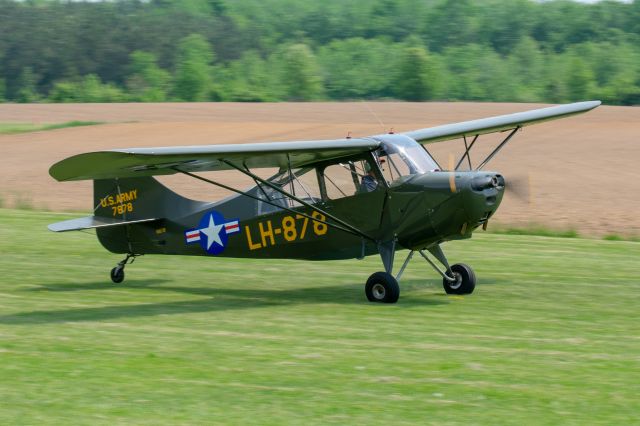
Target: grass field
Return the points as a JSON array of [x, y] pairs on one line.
[[551, 336], [14, 128]]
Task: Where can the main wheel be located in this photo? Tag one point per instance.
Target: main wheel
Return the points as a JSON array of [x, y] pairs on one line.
[[117, 275], [465, 281], [382, 287]]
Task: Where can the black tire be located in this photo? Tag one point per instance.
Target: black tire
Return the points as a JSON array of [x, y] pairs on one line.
[[382, 288], [117, 275], [466, 280]]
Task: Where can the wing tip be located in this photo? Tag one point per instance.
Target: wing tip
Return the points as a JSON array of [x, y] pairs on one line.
[[589, 105]]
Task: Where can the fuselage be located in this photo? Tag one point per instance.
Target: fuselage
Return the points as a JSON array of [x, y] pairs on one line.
[[416, 210]]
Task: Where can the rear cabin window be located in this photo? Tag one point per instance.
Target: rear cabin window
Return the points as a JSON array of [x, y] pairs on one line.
[[302, 183]]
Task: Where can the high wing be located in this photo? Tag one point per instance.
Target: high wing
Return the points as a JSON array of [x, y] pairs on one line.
[[499, 123], [135, 162]]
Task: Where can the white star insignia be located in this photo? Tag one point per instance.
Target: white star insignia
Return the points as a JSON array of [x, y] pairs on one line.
[[212, 232]]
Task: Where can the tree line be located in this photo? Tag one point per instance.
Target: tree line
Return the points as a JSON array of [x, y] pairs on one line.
[[300, 50]]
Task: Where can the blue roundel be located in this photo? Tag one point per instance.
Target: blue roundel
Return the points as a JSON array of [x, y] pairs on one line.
[[212, 232], [213, 235]]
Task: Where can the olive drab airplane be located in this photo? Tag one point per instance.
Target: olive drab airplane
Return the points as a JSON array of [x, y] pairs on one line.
[[331, 199]]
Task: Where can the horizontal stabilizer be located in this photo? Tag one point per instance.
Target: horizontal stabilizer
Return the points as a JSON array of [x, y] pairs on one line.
[[91, 222]]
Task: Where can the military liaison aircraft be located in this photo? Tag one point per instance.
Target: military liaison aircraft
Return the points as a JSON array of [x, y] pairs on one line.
[[331, 199]]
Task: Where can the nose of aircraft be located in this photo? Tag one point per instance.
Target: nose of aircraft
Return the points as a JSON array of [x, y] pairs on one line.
[[487, 181], [453, 204], [481, 197]]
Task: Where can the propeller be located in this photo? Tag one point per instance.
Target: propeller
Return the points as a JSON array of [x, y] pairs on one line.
[[520, 187]]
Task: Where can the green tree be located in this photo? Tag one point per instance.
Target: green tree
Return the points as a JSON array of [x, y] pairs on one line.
[[358, 68], [616, 69], [482, 50], [90, 89], [418, 77], [27, 84], [193, 79], [64, 92], [452, 23], [555, 88], [300, 74], [580, 79], [248, 79], [147, 82], [502, 24], [525, 66]]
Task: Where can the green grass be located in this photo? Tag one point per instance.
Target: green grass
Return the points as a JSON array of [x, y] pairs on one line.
[[535, 230], [551, 336], [13, 128]]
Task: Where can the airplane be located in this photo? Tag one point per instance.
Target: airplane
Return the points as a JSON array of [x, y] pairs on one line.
[[330, 199]]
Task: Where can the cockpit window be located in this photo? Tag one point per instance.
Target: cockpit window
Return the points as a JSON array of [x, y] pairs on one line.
[[402, 156]]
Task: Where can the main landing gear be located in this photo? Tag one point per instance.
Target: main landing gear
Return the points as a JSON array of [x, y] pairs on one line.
[[117, 273], [383, 286]]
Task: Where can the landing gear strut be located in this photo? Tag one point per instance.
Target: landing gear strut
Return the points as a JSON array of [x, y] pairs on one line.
[[117, 273], [458, 278]]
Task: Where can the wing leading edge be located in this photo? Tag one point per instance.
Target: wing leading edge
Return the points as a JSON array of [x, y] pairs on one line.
[[134, 162], [499, 123]]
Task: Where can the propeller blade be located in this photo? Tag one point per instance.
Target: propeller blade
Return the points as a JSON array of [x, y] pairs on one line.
[[519, 187], [452, 177]]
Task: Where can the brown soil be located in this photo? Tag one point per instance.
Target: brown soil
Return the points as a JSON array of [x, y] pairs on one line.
[[576, 173]]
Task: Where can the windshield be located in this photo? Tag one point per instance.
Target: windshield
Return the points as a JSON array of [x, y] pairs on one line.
[[401, 156]]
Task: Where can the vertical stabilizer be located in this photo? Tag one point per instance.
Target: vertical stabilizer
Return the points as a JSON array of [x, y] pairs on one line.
[[137, 198]]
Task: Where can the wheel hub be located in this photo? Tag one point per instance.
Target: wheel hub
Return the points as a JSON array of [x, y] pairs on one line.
[[378, 291], [458, 281]]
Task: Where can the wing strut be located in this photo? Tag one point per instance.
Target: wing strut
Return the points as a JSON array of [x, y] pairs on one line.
[[490, 156], [498, 148], [268, 201], [349, 228], [466, 151]]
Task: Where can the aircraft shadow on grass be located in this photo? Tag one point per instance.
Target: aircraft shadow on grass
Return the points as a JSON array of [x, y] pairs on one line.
[[218, 299]]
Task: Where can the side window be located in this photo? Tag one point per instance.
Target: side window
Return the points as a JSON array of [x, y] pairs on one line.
[[302, 183], [349, 178]]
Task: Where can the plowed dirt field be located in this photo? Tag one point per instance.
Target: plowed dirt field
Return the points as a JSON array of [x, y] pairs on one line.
[[578, 173]]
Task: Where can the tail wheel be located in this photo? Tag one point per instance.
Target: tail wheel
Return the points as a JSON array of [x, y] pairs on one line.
[[465, 281], [382, 287], [117, 274]]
